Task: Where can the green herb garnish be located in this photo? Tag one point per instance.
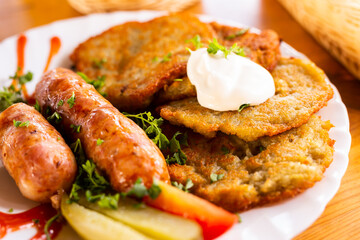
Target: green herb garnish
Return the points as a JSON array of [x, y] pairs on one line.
[[37, 106], [151, 126], [178, 155], [76, 128], [243, 106], [189, 184], [10, 210], [99, 63], [216, 177], [214, 47], [196, 41], [166, 58], [60, 103], [178, 80], [55, 117], [237, 34], [23, 78], [99, 141], [98, 83], [71, 100], [20, 124], [139, 190]]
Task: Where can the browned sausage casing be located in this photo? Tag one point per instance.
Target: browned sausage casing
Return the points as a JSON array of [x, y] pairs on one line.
[[36, 157], [126, 152]]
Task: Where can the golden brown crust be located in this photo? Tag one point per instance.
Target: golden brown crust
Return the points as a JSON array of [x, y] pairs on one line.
[[291, 162], [262, 48], [126, 153], [132, 75], [301, 90], [36, 156]]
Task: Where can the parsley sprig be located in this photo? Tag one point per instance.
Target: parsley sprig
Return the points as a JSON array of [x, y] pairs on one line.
[[20, 124], [237, 34], [151, 126], [98, 83], [215, 46], [89, 180], [13, 94], [196, 41], [189, 184]]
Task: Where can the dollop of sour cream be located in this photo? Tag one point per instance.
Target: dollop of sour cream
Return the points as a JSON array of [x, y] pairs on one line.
[[224, 84]]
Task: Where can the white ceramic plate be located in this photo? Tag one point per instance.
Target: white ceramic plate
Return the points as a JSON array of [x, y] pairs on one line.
[[279, 221]]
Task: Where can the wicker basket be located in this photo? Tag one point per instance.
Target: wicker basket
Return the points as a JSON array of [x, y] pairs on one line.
[[333, 23], [95, 6]]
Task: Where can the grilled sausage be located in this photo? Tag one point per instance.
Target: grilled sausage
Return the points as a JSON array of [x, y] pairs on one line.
[[116, 144], [36, 156]]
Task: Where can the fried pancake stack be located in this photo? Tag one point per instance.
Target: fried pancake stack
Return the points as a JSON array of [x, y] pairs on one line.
[[262, 154]]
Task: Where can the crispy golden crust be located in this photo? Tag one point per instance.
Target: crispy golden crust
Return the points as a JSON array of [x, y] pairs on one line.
[[263, 48], [301, 90], [132, 75], [291, 162]]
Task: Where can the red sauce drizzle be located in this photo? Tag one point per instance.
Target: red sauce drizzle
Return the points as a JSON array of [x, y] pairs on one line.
[[20, 49], [55, 45], [37, 216]]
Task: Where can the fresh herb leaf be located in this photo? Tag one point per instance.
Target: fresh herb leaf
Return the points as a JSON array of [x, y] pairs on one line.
[[99, 141], [8, 97], [215, 46], [20, 124], [99, 63], [139, 190], [261, 148], [98, 83], [154, 191], [196, 41], [89, 180], [178, 155], [13, 93], [60, 103], [178, 80], [37, 106], [71, 100], [151, 126], [76, 128], [237, 34], [25, 78], [55, 117], [166, 58], [48, 224], [189, 184], [216, 177], [155, 59], [243, 106], [10, 210], [225, 150]]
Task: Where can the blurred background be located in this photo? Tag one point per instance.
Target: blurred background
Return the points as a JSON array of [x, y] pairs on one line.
[[327, 31]]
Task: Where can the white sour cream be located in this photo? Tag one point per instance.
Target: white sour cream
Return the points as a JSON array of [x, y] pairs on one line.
[[225, 84]]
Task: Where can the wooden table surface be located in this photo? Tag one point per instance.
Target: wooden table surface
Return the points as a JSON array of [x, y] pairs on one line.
[[341, 218]]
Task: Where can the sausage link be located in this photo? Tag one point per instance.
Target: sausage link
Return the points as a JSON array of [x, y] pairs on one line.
[[36, 156], [116, 144]]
